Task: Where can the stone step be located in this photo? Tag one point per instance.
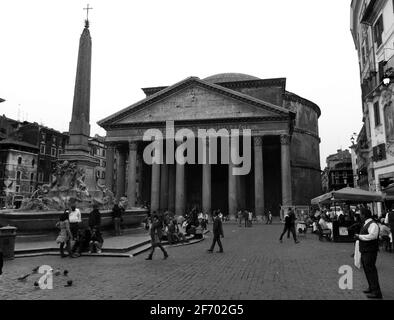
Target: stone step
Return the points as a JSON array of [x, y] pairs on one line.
[[141, 249], [101, 255], [53, 235]]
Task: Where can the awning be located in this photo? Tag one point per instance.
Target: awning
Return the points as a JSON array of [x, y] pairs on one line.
[[351, 195]]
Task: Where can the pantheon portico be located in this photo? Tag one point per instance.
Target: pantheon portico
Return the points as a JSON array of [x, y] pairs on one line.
[[285, 167]]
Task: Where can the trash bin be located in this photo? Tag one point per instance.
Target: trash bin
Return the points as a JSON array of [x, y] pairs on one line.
[[7, 242]]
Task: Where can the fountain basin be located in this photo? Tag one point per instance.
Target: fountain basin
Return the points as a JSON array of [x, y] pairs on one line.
[[41, 222]]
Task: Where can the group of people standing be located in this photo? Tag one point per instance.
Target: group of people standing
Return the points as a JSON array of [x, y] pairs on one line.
[[166, 224], [75, 237], [176, 231], [247, 216]]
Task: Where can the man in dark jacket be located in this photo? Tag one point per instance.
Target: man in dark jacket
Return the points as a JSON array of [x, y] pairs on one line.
[[369, 247], [94, 218], [116, 218], [289, 226], [217, 233], [156, 235]]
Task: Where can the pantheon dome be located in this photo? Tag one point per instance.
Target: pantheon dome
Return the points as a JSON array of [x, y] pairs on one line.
[[229, 77]]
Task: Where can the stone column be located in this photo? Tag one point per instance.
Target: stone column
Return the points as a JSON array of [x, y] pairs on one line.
[[206, 183], [120, 173], [180, 188], [258, 177], [109, 168], [287, 199], [232, 192], [139, 178], [164, 187], [171, 188], [132, 175], [155, 188]]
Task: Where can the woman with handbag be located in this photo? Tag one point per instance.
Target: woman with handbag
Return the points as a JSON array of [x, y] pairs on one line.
[[65, 235]]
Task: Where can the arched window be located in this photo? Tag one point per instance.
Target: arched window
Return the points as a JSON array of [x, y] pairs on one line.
[[32, 176], [19, 160], [18, 175], [33, 162]]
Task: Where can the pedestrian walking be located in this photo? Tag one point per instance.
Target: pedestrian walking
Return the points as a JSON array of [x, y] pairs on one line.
[[75, 219], [246, 218], [116, 218], [289, 226], [369, 247], [65, 234], [156, 235], [250, 218], [239, 216], [269, 217], [217, 233]]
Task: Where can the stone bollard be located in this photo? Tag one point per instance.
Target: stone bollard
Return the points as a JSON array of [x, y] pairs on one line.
[[7, 242]]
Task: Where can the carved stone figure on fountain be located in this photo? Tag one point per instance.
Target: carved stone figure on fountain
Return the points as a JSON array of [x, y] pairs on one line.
[[106, 198]]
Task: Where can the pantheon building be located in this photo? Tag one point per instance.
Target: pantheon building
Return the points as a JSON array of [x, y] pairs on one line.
[[285, 161]]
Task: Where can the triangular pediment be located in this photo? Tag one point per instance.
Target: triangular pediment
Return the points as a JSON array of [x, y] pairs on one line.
[[194, 100]]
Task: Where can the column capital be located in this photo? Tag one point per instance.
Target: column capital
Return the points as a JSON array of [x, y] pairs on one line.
[[120, 147], [285, 139], [110, 145], [258, 141], [133, 145]]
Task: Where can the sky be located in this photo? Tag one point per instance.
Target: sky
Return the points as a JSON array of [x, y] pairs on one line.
[[149, 43]]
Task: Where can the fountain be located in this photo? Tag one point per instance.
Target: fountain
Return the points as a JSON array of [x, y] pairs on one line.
[[39, 213], [74, 180]]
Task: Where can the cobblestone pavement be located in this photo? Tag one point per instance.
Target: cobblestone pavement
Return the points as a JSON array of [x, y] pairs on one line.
[[254, 266]]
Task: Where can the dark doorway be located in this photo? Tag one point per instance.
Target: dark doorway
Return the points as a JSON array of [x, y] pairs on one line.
[[193, 179], [146, 175], [272, 174], [219, 183]]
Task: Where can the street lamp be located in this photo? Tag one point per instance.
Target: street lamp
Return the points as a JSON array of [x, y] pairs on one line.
[[387, 77], [386, 81]]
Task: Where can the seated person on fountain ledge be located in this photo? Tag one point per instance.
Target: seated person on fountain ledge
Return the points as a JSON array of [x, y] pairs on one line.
[[96, 241], [81, 243], [171, 232]]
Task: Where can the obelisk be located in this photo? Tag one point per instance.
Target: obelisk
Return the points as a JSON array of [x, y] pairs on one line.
[[78, 150]]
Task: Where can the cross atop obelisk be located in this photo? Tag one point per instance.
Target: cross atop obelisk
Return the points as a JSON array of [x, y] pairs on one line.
[[87, 15]]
